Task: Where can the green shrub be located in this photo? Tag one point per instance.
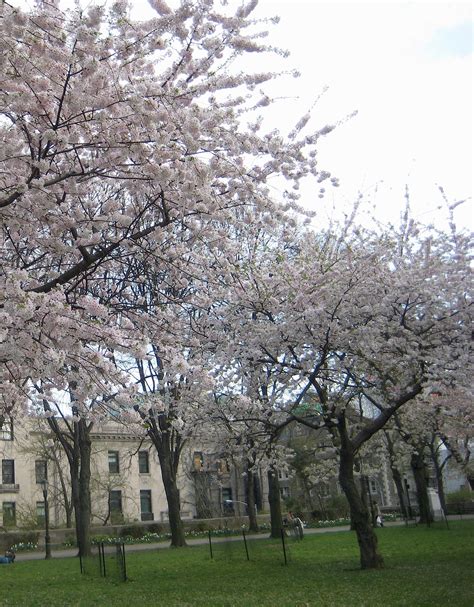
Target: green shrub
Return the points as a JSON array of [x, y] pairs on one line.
[[336, 507], [157, 528], [134, 531], [462, 496], [27, 540], [198, 527]]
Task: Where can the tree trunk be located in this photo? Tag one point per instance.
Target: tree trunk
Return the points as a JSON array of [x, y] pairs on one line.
[[397, 479], [172, 496], [360, 515], [68, 505], [419, 472], [84, 501], [202, 494], [275, 503], [322, 505], [308, 497], [79, 468], [250, 494], [396, 475], [75, 440], [168, 446], [75, 493]]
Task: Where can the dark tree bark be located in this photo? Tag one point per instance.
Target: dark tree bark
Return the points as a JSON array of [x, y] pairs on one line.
[[169, 468], [419, 472], [83, 531], [168, 445], [402, 500], [370, 558], [68, 505], [275, 503], [396, 475], [202, 493], [78, 453], [167, 440], [74, 438], [251, 503]]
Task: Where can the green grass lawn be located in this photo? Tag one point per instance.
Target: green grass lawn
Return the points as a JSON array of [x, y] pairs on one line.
[[424, 568]]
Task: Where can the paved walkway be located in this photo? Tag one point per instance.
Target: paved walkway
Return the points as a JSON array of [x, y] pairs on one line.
[[71, 552]]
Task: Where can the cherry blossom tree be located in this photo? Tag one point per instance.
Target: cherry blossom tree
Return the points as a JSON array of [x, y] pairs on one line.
[[116, 135], [433, 433], [122, 140], [363, 320], [172, 405]]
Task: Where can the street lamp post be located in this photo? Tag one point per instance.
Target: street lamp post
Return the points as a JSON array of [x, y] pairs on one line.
[[47, 539]]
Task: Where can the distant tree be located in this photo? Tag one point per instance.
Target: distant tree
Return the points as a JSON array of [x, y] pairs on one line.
[[363, 321], [121, 140], [116, 135]]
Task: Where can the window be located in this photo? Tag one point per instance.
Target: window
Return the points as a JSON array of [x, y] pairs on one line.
[[115, 501], [227, 502], [9, 514], [145, 505], [6, 430], [41, 470], [8, 472], [284, 492], [226, 493], [40, 513], [143, 462], [198, 461], [114, 467]]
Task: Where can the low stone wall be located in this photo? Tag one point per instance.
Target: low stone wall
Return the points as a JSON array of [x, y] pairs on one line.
[[10, 538], [58, 537]]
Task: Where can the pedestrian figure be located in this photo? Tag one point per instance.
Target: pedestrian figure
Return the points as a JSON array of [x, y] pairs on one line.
[[295, 524], [378, 515], [8, 558]]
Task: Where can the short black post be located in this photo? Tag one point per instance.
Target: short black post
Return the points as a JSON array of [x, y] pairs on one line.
[[407, 493], [283, 544], [102, 549], [99, 548], [245, 544], [210, 542], [445, 518], [124, 564], [47, 538]]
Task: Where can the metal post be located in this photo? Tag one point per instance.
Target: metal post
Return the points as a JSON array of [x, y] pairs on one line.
[[283, 544], [407, 488], [124, 563], [103, 559], [47, 539], [210, 542], [245, 544]]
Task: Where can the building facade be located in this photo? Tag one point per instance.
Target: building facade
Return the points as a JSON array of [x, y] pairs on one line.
[[126, 484]]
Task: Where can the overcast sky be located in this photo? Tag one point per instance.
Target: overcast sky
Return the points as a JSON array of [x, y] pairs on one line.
[[406, 67]]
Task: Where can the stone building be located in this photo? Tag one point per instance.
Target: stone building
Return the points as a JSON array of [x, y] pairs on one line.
[[126, 483]]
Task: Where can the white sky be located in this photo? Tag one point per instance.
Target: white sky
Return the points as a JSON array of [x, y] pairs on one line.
[[406, 67]]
